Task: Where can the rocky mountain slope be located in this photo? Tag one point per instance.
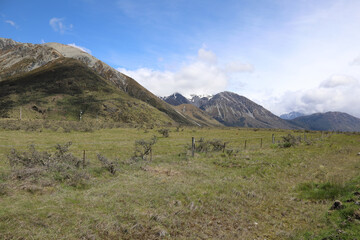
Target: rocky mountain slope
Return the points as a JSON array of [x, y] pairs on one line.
[[329, 121], [19, 59], [291, 115], [176, 99], [232, 109], [197, 116]]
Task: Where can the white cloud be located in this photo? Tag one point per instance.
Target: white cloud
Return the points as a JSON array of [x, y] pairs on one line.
[[201, 76], [84, 49], [339, 80], [58, 25], [337, 93], [12, 23], [239, 67], [356, 61], [207, 56]]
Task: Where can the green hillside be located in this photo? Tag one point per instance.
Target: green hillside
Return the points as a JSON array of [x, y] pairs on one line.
[[65, 87]]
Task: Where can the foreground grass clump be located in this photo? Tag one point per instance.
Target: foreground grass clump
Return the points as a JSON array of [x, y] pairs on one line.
[[230, 189], [327, 190], [342, 218]]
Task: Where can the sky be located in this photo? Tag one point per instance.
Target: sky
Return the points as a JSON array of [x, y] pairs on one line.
[[286, 55]]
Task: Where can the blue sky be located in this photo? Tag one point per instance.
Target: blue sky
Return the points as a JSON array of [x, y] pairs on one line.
[[285, 55]]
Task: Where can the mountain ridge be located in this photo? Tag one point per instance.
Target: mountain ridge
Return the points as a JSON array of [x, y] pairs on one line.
[[21, 58], [329, 121]]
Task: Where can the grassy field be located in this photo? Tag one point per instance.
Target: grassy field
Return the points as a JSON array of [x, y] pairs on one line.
[[261, 192]]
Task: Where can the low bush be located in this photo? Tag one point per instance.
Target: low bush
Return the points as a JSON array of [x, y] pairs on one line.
[[164, 132], [214, 145], [143, 149], [289, 141], [106, 164], [60, 166]]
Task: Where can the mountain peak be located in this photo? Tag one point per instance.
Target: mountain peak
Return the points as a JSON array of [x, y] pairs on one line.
[[176, 99], [7, 42]]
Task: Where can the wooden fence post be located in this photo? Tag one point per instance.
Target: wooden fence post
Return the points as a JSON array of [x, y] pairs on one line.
[[84, 159], [260, 142], [224, 147], [304, 136], [273, 138], [245, 145], [192, 146]]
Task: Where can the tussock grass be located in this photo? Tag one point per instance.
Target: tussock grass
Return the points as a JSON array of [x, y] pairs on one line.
[[250, 193]]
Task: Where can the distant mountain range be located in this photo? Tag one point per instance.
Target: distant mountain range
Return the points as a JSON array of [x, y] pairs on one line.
[[231, 109], [56, 81]]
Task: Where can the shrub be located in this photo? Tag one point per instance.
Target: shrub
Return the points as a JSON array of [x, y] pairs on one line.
[[143, 149], [289, 141], [214, 145], [108, 165], [164, 132], [60, 166]]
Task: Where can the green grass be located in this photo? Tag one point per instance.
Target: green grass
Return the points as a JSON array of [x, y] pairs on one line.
[[252, 193], [325, 190]]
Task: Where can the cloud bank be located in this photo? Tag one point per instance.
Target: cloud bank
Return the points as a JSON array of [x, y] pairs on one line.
[[203, 75], [337, 93]]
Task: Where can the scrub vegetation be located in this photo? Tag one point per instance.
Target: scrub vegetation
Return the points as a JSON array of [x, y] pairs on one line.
[[138, 183]]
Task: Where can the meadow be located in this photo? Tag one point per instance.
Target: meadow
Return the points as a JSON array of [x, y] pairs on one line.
[[280, 190]]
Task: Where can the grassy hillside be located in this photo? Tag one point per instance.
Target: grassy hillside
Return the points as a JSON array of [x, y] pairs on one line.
[[62, 89], [263, 191]]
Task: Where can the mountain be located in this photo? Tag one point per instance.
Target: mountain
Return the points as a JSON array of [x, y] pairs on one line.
[[65, 87], [232, 109], [18, 61], [196, 115], [291, 115], [329, 121], [176, 99], [199, 101]]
